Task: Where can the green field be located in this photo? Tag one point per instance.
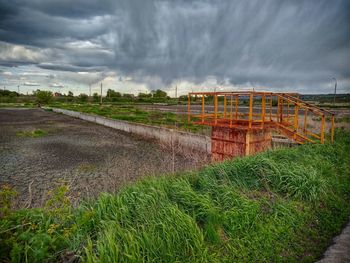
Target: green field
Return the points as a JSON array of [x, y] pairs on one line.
[[282, 205], [132, 113], [124, 111]]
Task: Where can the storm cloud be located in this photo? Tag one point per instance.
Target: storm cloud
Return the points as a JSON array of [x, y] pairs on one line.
[[297, 45]]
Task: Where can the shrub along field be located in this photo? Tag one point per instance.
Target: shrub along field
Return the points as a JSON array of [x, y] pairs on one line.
[[281, 205]]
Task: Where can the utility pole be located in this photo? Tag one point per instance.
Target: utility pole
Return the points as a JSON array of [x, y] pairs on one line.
[[90, 90], [101, 94], [335, 89], [18, 89], [176, 92]]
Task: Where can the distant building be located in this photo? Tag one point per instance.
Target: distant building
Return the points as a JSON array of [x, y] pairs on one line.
[[57, 94]]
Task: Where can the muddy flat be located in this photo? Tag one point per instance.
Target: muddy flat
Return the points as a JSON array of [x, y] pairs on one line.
[[89, 157]]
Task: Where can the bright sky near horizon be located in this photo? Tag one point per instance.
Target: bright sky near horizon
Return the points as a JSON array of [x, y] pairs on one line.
[[135, 46]]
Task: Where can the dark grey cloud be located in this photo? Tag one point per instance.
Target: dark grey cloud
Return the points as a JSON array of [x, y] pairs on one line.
[[68, 67], [270, 43]]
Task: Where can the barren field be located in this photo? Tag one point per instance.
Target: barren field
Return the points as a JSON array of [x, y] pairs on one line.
[[87, 156]]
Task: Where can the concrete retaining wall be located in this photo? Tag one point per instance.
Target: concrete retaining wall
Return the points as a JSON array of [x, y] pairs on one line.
[[163, 135]]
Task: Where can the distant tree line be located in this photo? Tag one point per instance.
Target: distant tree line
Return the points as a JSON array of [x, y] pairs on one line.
[[42, 97], [155, 96], [8, 96]]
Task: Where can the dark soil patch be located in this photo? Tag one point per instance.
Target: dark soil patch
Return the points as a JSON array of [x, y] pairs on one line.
[[92, 158]]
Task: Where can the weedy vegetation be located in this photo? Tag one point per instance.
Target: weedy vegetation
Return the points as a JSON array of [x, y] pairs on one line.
[[34, 133], [133, 114], [282, 205]]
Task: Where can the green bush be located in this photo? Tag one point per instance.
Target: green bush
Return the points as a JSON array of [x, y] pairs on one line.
[[83, 98], [43, 96]]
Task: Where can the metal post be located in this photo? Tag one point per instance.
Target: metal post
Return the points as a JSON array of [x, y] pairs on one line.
[[263, 108], [225, 106], [215, 108], [231, 109], [322, 129], [247, 142], [296, 117], [250, 109], [236, 107], [189, 108], [101, 95], [203, 108], [332, 129], [280, 109], [271, 107], [335, 90], [305, 120]]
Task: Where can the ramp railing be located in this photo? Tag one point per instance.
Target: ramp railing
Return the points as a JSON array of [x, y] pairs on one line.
[[283, 112]]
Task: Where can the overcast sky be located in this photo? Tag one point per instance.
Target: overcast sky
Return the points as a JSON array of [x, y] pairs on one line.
[[138, 45]]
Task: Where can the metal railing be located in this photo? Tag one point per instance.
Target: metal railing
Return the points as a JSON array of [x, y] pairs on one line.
[[284, 112]]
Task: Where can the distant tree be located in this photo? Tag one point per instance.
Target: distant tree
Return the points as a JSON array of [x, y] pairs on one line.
[[12, 95], [8, 93], [70, 96], [113, 94], [128, 96], [144, 95], [159, 93], [4, 92], [8, 96], [83, 98], [43, 96], [96, 97]]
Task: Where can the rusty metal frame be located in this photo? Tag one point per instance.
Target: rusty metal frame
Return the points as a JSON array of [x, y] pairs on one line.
[[285, 118]]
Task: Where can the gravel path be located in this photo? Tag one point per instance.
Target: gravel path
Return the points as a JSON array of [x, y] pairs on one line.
[[90, 157]]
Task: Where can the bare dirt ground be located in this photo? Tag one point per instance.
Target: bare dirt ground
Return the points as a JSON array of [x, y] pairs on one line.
[[90, 157]]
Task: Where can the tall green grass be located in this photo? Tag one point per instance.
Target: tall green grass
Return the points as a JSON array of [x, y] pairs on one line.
[[283, 205]]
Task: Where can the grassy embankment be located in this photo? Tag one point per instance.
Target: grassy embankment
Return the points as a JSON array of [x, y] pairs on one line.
[[282, 205], [133, 114]]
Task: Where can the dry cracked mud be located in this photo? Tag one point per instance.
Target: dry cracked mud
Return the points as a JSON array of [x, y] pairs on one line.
[[90, 157]]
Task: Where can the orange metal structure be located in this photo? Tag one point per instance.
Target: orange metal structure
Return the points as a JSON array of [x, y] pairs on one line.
[[242, 122]]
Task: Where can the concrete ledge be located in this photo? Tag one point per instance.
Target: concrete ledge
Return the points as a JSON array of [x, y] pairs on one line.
[[163, 135]]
